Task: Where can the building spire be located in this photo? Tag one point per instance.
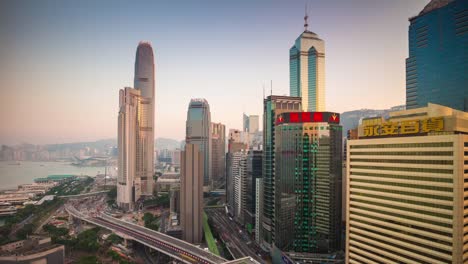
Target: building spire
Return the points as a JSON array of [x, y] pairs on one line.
[[305, 17]]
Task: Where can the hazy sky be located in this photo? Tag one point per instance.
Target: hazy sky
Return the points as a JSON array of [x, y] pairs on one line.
[[63, 62]]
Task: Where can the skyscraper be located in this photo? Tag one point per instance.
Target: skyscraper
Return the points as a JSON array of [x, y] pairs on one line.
[[136, 132], [235, 145], [218, 151], [272, 106], [191, 193], [437, 66], [254, 172], [144, 82], [308, 173], [307, 70], [239, 176], [407, 192], [128, 129], [198, 132]]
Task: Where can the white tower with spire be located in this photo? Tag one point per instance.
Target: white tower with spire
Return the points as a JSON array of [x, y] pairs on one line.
[[307, 69]]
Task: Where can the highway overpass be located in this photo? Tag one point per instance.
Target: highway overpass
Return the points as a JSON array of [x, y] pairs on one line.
[[168, 245]]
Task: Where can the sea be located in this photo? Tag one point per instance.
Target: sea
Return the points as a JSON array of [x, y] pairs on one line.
[[13, 173]]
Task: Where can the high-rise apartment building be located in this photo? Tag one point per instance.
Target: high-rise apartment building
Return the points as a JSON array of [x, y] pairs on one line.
[[128, 129], [238, 163], [218, 151], [191, 193], [307, 70], [136, 132], [258, 210], [437, 66], [407, 188], [144, 82], [308, 173], [272, 107], [254, 172], [234, 146], [198, 132]]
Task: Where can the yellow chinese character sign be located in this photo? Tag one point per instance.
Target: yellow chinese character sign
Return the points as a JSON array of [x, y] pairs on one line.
[[406, 127]]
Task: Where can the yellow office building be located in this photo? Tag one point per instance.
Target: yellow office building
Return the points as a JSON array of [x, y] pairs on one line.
[[407, 188]]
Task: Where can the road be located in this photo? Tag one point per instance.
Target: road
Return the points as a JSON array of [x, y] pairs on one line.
[[173, 247], [39, 228], [239, 243]]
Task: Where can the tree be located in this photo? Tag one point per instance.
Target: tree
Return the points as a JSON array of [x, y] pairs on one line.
[[112, 194], [89, 260]]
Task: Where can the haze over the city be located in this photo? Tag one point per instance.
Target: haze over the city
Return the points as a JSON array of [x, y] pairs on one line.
[[63, 62]]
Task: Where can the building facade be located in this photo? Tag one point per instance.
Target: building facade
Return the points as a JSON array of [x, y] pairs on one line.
[[144, 82], [437, 66], [128, 129], [199, 132], [218, 143], [272, 107], [407, 188], [307, 71], [136, 132], [258, 210], [191, 193], [235, 144], [254, 172], [308, 180], [239, 176]]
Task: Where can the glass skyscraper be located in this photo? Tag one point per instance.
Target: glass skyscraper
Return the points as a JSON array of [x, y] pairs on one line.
[[437, 66], [308, 172], [307, 71], [199, 132], [272, 106]]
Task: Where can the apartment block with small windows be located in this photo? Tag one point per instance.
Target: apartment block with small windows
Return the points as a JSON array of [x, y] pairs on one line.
[[407, 188]]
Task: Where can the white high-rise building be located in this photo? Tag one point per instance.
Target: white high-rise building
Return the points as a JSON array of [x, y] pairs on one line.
[[239, 176], [129, 101], [307, 70], [136, 132]]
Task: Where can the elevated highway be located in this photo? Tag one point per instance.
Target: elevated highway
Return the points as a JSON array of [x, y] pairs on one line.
[[171, 246]]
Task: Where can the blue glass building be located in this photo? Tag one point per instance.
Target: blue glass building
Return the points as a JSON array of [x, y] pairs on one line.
[[437, 66]]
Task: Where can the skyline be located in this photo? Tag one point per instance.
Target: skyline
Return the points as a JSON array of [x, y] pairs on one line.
[[93, 58]]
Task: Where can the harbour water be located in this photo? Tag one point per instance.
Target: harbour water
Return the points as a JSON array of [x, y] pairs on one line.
[[14, 173]]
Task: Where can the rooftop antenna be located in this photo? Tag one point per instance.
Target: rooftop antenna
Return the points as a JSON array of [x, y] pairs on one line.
[[263, 85], [271, 87], [305, 17]]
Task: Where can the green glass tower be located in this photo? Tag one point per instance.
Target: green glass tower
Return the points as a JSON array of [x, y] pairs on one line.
[[308, 172], [272, 107]]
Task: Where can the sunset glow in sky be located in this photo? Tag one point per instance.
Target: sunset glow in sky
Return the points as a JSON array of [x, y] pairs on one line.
[[63, 62]]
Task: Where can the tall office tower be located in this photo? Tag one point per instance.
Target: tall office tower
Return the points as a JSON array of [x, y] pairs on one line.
[[191, 193], [437, 66], [144, 82], [258, 209], [254, 172], [234, 145], [272, 107], [239, 176], [307, 70], [407, 192], [245, 122], [198, 132], [308, 173], [218, 150], [128, 129], [251, 123]]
